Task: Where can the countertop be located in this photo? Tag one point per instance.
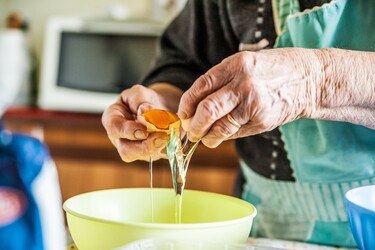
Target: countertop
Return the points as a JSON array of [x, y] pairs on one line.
[[272, 244]]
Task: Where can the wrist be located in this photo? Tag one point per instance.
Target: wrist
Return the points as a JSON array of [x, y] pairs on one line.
[[332, 88], [315, 75], [348, 85]]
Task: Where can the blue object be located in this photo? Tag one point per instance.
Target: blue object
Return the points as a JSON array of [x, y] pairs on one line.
[[360, 204], [30, 200], [21, 160]]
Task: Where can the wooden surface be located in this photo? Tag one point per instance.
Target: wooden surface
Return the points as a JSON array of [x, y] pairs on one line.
[[87, 161]]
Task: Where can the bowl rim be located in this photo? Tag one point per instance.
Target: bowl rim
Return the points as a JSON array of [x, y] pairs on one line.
[[163, 225], [351, 203]]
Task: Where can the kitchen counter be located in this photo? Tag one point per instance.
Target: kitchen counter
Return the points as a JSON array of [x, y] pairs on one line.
[[269, 244]]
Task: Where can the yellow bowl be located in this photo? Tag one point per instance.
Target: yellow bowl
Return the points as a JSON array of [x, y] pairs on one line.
[[111, 218]]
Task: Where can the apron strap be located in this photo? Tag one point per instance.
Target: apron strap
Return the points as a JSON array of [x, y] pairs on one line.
[[281, 10]]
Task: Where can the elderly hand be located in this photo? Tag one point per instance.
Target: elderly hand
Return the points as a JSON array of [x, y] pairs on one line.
[[125, 130], [259, 91]]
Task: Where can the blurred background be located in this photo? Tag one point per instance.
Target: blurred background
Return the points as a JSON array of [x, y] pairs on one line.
[[37, 12], [85, 158], [34, 16], [70, 69]]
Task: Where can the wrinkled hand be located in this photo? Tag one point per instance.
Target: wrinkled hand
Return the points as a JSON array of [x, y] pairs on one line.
[[125, 129], [259, 90]]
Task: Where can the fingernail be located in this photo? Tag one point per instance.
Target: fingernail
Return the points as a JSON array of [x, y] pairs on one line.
[[182, 115], [185, 124], [144, 107], [192, 138], [163, 153], [159, 142], [140, 134]]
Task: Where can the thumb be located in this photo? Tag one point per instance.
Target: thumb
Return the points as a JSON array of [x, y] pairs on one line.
[[185, 124]]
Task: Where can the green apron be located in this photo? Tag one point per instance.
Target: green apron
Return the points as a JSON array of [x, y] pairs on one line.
[[328, 158]]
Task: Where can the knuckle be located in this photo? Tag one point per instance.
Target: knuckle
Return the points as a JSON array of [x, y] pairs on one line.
[[137, 88], [263, 125], [112, 133], [121, 149], [242, 56], [207, 80], [246, 60], [187, 97], [222, 129], [106, 116], [125, 158], [202, 83], [113, 140], [211, 108], [124, 151]]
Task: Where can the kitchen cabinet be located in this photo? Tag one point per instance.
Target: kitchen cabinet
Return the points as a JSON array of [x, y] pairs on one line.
[[87, 161]]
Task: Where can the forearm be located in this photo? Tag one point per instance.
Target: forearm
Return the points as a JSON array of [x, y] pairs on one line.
[[170, 95], [347, 92]]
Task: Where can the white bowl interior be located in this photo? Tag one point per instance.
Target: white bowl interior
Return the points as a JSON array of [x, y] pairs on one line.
[[363, 197]]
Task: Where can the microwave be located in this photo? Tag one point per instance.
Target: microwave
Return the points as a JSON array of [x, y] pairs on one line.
[[87, 63]]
